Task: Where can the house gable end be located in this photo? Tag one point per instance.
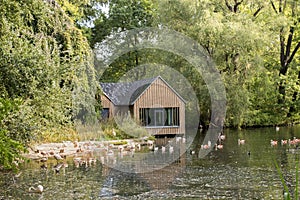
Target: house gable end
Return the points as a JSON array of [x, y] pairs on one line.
[[165, 83]]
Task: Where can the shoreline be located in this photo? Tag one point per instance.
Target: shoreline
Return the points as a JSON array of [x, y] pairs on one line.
[[69, 148]]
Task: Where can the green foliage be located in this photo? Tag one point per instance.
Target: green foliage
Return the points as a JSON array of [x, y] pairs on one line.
[[9, 151], [242, 38], [122, 15], [46, 61], [10, 148]]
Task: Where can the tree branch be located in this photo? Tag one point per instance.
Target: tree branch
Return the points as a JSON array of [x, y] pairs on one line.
[[289, 42], [280, 8], [293, 53], [257, 11], [273, 6], [228, 6], [235, 8], [282, 53]]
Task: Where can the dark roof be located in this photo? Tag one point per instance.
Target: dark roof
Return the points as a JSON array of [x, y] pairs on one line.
[[126, 93]]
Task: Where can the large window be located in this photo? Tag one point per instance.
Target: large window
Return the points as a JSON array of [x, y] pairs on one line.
[[159, 116]]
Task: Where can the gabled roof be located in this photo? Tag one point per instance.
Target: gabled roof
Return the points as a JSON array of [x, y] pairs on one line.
[[124, 94]]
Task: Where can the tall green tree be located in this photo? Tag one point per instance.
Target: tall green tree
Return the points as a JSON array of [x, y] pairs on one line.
[[46, 62], [122, 15], [289, 50]]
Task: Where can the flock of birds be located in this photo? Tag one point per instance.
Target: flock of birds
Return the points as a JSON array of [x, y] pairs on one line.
[[83, 155], [219, 144]]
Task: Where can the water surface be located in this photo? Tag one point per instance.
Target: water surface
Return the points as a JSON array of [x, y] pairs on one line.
[[235, 172]]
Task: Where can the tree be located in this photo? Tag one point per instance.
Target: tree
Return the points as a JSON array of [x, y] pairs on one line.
[[46, 63], [289, 47]]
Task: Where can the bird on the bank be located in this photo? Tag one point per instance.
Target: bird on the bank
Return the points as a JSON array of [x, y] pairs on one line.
[[38, 189]]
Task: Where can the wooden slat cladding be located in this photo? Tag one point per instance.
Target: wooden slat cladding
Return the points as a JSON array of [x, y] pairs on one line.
[[160, 95], [106, 103]]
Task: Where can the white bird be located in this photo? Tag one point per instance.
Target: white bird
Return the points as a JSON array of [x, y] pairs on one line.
[[171, 149], [57, 156], [178, 139], [163, 149], [209, 143], [222, 137], [38, 189], [114, 132], [277, 128], [120, 148], [241, 142], [150, 142]]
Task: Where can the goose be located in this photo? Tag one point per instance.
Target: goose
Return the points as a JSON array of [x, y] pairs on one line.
[[138, 146], [241, 142], [178, 139], [163, 149], [110, 152], [38, 189], [273, 142], [150, 143], [120, 148], [57, 157], [44, 166], [44, 159], [171, 149], [205, 146], [283, 142], [222, 137], [209, 143]]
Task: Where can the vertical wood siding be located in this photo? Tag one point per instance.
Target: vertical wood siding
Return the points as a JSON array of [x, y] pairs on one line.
[[159, 95], [106, 103]]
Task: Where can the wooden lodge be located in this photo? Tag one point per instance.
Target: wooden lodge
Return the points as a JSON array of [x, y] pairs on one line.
[[151, 102]]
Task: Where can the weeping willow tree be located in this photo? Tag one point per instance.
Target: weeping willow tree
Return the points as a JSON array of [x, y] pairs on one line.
[[46, 66]]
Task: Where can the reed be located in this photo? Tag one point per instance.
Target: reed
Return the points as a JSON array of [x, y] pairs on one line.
[[286, 191]]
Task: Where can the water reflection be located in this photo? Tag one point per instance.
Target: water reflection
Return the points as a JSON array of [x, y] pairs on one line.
[[228, 173]]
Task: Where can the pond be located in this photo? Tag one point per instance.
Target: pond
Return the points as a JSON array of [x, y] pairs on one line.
[[237, 171]]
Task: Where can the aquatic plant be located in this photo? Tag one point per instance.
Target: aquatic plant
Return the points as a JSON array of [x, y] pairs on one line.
[[286, 191]]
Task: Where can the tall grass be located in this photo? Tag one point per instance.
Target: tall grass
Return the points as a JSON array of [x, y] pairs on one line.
[[287, 194], [121, 127]]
